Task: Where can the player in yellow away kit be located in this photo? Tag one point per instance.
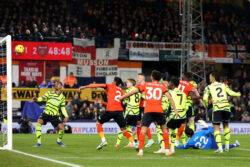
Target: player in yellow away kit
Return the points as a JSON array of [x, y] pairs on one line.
[[218, 92], [175, 121], [55, 104], [132, 112]]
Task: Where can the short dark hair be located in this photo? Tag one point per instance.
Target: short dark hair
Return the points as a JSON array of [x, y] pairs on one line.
[[216, 75], [188, 75], [156, 75], [141, 74], [174, 81], [132, 81], [118, 81]]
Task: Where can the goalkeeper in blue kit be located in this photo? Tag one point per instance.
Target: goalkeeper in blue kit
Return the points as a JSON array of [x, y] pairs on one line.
[[204, 139]]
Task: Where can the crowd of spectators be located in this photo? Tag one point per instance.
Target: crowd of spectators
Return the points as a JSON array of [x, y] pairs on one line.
[[84, 109], [147, 20]]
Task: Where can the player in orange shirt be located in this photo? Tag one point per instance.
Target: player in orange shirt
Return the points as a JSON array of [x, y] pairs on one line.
[[114, 110], [141, 81], [153, 108], [192, 93]]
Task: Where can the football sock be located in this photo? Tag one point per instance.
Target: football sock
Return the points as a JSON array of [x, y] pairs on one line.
[[128, 136], [159, 134], [119, 138], [141, 141], [138, 131], [38, 133], [173, 135], [60, 135], [100, 131], [149, 134], [180, 132], [217, 137], [227, 136], [166, 139]]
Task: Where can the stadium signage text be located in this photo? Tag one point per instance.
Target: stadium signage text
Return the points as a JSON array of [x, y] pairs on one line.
[[152, 45], [26, 94], [112, 128]]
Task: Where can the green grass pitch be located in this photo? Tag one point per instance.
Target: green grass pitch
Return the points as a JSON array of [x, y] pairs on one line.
[[81, 150]]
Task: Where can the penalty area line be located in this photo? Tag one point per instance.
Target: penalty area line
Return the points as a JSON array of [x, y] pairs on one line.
[[46, 159]]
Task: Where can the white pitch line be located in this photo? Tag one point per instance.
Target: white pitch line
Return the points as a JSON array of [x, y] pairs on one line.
[[243, 149], [46, 159], [148, 158]]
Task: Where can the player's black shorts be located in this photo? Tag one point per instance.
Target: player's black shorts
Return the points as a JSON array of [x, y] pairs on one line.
[[132, 119], [221, 116], [150, 117], [141, 110], [175, 123], [116, 115], [190, 112], [54, 120]]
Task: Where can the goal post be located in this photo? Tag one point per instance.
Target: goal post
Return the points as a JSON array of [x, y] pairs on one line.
[[6, 93]]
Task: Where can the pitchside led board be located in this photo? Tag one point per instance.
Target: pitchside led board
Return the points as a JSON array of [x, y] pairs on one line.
[[43, 51]]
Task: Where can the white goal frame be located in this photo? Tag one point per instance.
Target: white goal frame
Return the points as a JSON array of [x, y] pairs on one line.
[[9, 144]]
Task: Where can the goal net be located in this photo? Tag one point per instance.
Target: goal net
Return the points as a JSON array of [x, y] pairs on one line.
[[5, 93]]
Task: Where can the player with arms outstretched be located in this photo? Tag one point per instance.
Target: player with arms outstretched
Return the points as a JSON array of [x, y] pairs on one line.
[[218, 92], [114, 110], [55, 105], [153, 108], [132, 111]]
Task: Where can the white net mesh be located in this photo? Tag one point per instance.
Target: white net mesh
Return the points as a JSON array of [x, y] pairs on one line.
[[3, 104]]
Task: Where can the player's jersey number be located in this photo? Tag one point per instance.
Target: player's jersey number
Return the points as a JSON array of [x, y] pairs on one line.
[[219, 92], [118, 94], [181, 97], [181, 87], [201, 142], [154, 93], [137, 98]]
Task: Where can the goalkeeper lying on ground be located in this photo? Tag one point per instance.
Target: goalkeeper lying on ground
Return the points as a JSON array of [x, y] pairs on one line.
[[204, 139]]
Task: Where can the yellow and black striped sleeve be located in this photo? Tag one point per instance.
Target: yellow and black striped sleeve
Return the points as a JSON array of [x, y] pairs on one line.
[[44, 98], [63, 109]]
